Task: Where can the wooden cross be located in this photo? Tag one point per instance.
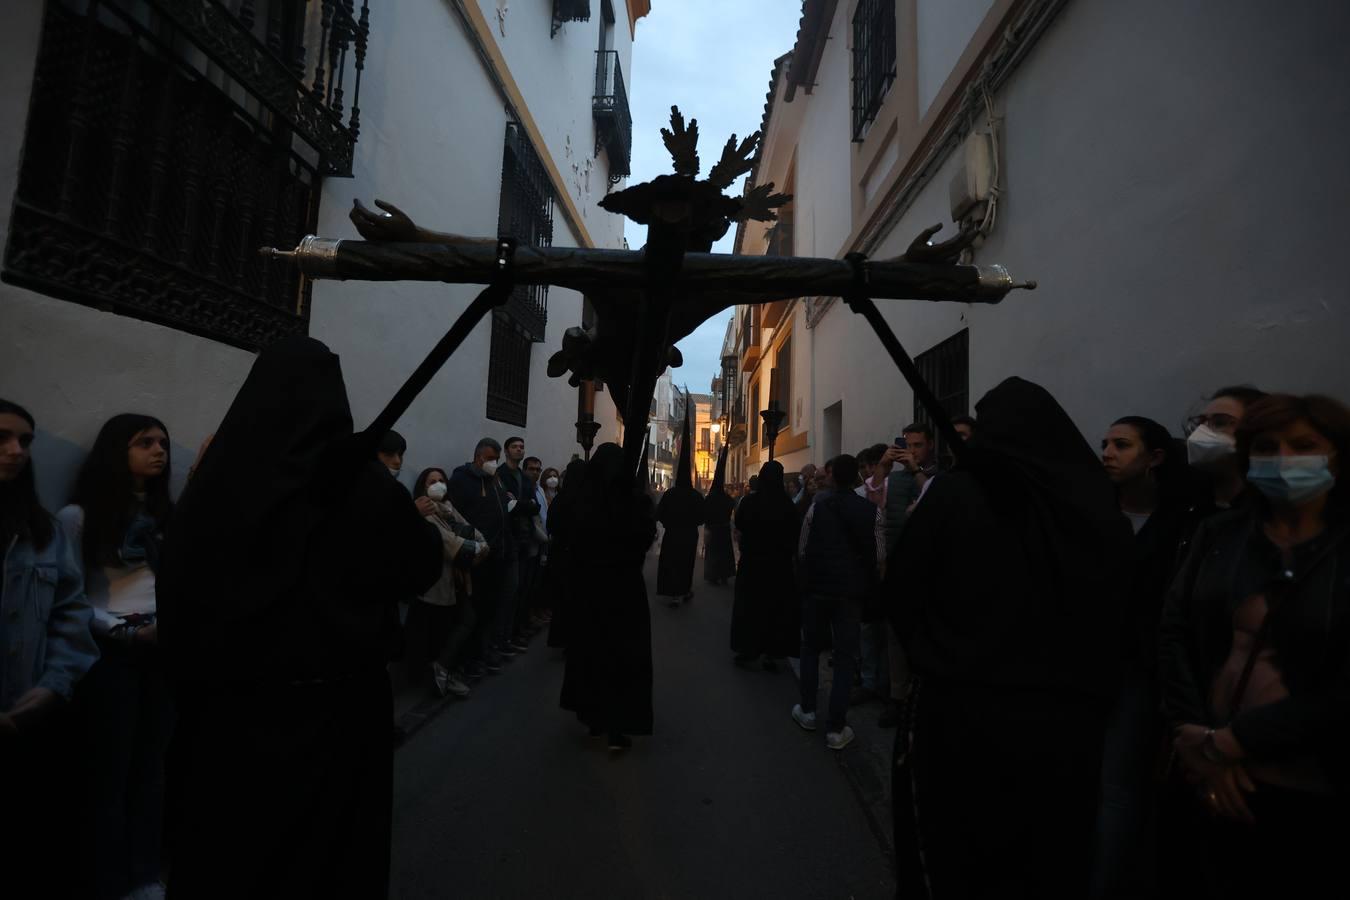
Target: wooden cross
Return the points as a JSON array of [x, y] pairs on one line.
[[646, 300]]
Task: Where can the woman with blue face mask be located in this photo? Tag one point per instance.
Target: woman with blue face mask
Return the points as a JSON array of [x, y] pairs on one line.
[[1255, 659]]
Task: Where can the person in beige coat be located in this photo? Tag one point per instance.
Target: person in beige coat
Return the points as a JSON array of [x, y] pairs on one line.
[[441, 620]]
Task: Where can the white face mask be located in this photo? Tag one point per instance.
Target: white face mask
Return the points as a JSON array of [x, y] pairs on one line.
[[551, 483], [436, 491], [1205, 445], [489, 468], [394, 472]]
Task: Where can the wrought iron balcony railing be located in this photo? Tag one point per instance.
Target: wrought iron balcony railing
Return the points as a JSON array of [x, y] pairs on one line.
[[613, 121]]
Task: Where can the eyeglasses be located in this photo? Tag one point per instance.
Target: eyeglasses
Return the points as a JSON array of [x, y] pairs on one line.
[[1216, 421]]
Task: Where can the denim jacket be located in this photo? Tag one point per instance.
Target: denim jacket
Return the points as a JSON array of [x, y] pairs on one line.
[[45, 639]]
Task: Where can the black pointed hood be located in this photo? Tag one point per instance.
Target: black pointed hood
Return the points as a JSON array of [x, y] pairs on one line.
[[684, 471], [720, 476]]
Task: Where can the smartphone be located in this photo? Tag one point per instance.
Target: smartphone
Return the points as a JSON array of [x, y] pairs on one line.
[[902, 443]]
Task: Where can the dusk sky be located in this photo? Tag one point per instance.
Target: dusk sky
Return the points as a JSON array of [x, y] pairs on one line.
[[712, 58]]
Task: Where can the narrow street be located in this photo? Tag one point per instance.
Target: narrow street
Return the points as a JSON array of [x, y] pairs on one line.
[[504, 795]]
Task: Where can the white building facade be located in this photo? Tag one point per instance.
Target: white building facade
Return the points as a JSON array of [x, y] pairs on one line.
[[150, 146], [1168, 172]]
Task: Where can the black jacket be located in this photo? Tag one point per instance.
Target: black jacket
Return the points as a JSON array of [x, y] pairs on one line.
[[514, 482], [1310, 632], [841, 547], [480, 499]]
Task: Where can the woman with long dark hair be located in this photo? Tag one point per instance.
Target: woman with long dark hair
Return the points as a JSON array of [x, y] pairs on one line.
[[1255, 659], [44, 633], [117, 516], [441, 620], [1149, 472]]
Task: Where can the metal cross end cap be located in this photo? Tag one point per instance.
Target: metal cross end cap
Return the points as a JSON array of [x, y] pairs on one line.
[[994, 280], [314, 256]]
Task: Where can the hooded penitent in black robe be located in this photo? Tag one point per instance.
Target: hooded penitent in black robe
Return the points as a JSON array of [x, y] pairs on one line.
[[608, 679], [289, 550], [719, 557], [766, 618], [680, 512], [1007, 595], [563, 515]]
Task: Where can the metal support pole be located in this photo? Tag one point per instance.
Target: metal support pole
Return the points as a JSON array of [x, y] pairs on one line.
[[860, 303]]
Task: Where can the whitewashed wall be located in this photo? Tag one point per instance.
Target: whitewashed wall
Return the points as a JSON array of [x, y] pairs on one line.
[[1170, 182], [945, 27], [433, 130], [557, 77]]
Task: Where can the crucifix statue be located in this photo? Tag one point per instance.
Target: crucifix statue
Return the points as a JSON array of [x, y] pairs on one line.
[[647, 300]]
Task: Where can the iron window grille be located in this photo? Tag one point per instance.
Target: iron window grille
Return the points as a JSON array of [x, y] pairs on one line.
[[569, 11], [508, 387], [167, 140], [728, 383], [613, 120], [526, 214], [873, 60], [946, 369]]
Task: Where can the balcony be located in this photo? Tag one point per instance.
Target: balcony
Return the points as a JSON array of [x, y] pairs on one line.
[[613, 121], [750, 342], [773, 313]]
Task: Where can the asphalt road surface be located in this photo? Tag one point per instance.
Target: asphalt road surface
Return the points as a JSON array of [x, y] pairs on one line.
[[504, 795]]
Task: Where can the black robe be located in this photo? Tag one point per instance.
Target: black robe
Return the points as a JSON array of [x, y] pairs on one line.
[[1006, 593], [719, 560], [563, 515], [766, 617], [608, 677], [681, 512], [281, 571]]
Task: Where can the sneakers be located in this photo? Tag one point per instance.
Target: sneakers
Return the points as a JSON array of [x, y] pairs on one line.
[[448, 684], [803, 718], [838, 740]]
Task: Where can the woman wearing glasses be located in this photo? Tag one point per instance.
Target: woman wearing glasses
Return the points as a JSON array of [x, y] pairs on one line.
[[116, 520], [1211, 443], [1255, 659]]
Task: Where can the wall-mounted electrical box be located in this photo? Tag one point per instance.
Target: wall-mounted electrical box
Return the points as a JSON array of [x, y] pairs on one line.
[[970, 185]]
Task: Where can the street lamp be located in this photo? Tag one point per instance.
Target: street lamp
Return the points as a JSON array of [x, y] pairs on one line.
[[773, 421], [587, 429]]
